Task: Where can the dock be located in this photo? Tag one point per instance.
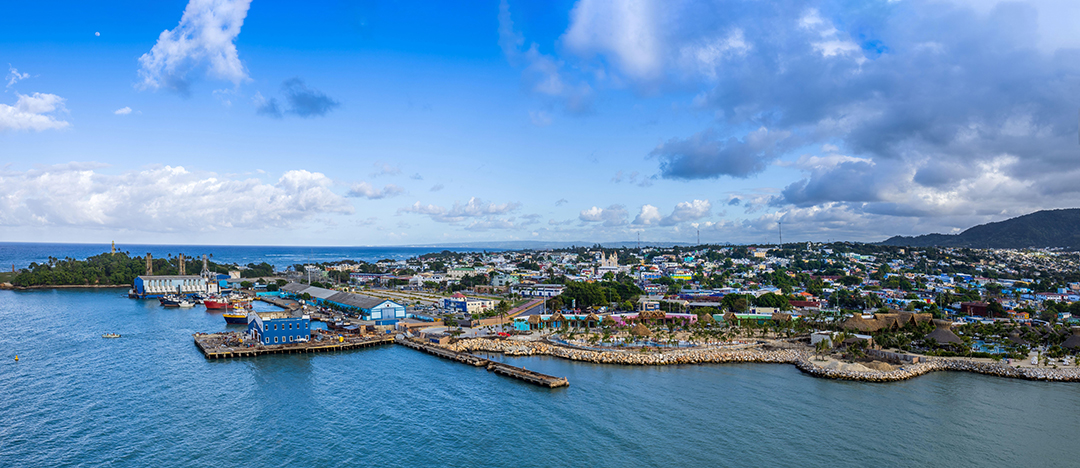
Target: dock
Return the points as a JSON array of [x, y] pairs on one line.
[[500, 368], [230, 345], [225, 346]]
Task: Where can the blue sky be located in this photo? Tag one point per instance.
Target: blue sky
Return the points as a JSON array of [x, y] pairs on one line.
[[378, 123]]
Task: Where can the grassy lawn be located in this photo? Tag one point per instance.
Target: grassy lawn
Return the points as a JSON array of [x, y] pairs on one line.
[[6, 276]]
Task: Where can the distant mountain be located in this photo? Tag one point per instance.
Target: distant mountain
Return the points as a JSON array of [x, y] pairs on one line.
[[1047, 228]]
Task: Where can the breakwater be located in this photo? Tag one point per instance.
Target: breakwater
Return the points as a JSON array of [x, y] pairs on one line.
[[800, 358]]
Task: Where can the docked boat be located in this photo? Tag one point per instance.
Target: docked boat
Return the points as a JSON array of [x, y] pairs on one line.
[[186, 303], [170, 301], [239, 317], [217, 303], [110, 335]]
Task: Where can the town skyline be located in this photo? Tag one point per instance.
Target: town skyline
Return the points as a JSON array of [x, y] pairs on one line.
[[240, 122]]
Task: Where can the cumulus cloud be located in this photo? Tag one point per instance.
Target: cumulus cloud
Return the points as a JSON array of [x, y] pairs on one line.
[[204, 39], [474, 208], [122, 111], [561, 202], [437, 187], [683, 212], [33, 112], [366, 190], [162, 199], [928, 99], [612, 216]]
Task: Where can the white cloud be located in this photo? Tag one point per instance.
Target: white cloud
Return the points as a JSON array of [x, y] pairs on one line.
[[614, 215], [474, 208], [683, 212], [366, 190], [649, 215], [625, 29], [32, 112], [162, 199], [204, 38], [14, 76], [122, 111]]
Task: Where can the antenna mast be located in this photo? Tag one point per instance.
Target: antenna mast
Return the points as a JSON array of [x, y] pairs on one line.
[[781, 225]]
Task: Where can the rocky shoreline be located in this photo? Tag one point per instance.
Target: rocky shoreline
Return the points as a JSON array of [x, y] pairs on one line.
[[801, 359]]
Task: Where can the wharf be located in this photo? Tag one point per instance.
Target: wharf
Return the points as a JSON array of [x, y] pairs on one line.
[[500, 368], [286, 304], [226, 345]]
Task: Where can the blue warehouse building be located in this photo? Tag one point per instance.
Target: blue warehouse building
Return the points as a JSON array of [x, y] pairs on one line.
[[382, 311], [270, 328]]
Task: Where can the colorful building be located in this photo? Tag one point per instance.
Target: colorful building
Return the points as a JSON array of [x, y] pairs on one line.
[[270, 328]]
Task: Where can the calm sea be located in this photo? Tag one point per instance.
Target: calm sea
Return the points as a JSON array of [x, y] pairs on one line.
[[20, 254], [151, 399]]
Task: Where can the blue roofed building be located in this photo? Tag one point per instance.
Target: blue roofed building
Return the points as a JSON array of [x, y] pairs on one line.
[[269, 328]]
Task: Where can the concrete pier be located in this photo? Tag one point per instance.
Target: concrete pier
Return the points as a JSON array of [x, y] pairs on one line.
[[500, 368], [224, 346]]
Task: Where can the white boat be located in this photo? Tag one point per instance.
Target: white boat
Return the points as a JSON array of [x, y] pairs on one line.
[[186, 303]]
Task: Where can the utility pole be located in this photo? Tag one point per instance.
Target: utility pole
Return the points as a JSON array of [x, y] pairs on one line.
[[699, 236], [781, 225]]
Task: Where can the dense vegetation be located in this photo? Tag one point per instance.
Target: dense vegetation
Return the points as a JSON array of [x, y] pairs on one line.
[[104, 269]]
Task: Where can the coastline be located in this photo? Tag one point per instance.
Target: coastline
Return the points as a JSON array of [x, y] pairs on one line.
[[801, 359], [11, 287]]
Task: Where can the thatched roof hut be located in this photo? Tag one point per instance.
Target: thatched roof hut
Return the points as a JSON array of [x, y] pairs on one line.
[[607, 321], [730, 316], [592, 317], [858, 323], [943, 333], [706, 318], [534, 320], [781, 317], [557, 317], [1015, 338], [1073, 342], [640, 330], [652, 315]]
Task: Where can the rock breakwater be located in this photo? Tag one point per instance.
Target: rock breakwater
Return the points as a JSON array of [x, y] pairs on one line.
[[801, 359]]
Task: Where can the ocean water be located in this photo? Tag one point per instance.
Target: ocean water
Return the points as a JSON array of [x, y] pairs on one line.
[[20, 254], [151, 399]]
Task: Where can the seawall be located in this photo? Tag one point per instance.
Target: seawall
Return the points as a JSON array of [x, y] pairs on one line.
[[801, 359]]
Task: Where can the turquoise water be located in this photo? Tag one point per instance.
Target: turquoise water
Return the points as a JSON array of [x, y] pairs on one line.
[[150, 399]]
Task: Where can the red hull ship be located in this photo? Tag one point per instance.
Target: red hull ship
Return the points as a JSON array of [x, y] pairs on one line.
[[218, 303]]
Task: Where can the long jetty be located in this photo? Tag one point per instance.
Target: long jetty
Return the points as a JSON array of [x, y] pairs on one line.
[[500, 368], [227, 346]]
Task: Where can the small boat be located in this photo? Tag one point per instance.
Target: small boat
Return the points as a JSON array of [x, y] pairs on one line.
[[170, 301], [186, 303], [110, 335], [236, 317]]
